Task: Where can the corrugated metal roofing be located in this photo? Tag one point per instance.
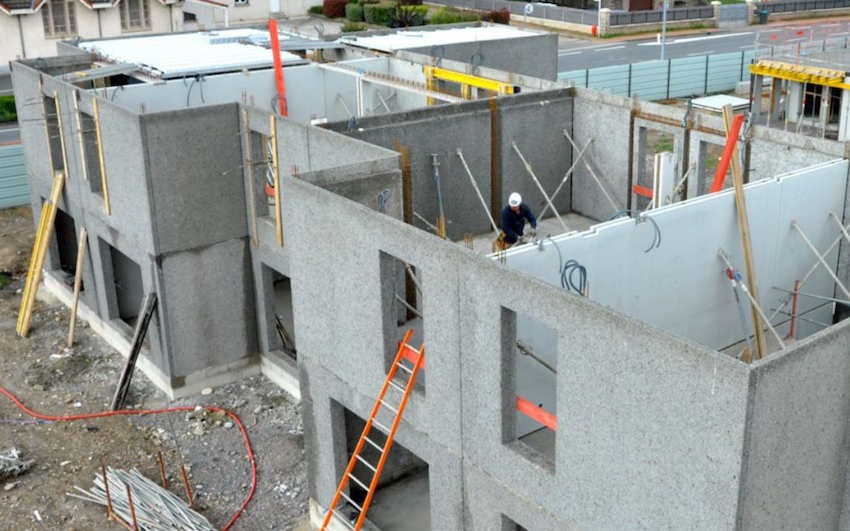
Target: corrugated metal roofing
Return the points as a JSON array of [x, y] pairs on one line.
[[186, 54], [14, 190]]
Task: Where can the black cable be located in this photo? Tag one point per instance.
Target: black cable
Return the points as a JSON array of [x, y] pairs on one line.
[[383, 198], [639, 217], [568, 280]]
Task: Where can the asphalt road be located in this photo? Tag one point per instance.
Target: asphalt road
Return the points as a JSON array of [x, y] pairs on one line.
[[9, 133], [578, 54]]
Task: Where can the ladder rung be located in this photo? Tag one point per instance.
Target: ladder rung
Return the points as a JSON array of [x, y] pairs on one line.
[[402, 366], [397, 386], [394, 410], [373, 443], [356, 506], [354, 479], [383, 428], [342, 519], [365, 463]]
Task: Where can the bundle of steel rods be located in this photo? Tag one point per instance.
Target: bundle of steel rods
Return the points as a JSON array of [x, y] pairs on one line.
[[11, 464], [149, 505]]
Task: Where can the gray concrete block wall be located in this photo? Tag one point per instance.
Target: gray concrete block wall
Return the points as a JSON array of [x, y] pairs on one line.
[[442, 131], [604, 121], [641, 442], [194, 167], [210, 306], [351, 287], [636, 431], [796, 457], [326, 396], [536, 124], [533, 55]]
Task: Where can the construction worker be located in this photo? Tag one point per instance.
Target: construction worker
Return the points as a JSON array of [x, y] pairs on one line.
[[513, 222]]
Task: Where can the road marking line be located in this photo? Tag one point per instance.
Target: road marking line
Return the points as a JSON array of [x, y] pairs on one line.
[[566, 54], [612, 48], [696, 39]]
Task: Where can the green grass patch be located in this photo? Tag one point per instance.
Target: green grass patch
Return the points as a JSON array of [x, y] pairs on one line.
[[8, 113]]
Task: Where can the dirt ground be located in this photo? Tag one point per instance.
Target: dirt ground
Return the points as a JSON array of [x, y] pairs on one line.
[[53, 380]]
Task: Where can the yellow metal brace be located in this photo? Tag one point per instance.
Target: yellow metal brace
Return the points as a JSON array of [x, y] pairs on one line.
[[466, 81], [800, 73]]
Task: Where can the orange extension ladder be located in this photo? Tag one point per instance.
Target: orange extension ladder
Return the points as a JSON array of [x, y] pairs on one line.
[[364, 438]]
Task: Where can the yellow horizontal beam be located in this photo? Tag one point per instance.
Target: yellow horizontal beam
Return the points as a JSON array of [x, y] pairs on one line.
[[467, 79], [801, 74]]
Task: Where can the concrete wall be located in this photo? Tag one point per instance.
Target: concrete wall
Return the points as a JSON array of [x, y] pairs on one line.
[[533, 55], [699, 403], [796, 454], [533, 121]]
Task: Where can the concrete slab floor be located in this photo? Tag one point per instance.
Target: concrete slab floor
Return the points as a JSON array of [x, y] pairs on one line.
[[542, 440], [404, 505], [550, 226]]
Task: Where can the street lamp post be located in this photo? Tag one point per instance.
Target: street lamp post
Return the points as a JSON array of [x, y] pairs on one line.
[[663, 29]]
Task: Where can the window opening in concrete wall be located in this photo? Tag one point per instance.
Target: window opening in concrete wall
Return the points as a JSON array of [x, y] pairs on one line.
[[812, 98], [282, 329], [529, 386], [652, 142], [129, 288], [261, 161], [66, 245], [402, 501], [510, 525], [709, 160], [92, 153], [402, 311], [53, 134]]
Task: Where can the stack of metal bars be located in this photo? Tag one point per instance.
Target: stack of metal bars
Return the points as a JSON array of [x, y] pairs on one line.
[[153, 508]]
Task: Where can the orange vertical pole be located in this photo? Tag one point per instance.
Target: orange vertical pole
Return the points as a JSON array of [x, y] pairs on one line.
[[278, 67]]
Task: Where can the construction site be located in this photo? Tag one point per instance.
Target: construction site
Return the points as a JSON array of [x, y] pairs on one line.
[[249, 214]]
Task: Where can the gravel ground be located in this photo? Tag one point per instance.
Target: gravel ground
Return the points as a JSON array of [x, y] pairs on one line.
[[53, 380]]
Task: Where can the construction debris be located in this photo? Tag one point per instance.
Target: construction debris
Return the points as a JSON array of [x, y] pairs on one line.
[[11, 464], [153, 508]]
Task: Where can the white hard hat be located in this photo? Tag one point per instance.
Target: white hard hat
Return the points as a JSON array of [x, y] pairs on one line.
[[515, 199]]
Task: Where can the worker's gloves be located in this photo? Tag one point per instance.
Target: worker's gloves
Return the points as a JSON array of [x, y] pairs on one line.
[[532, 233], [522, 240]]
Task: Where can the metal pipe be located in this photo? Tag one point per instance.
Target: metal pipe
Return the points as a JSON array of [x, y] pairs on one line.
[[539, 186], [722, 254], [477, 191], [820, 258], [567, 175], [593, 174], [408, 306], [526, 350], [813, 296], [800, 317]]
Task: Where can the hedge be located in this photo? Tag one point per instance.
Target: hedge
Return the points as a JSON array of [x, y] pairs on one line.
[[498, 16], [450, 15], [8, 112], [317, 10], [378, 14], [354, 12], [334, 8]]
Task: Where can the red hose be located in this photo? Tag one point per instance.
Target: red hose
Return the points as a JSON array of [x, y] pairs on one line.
[[155, 411]]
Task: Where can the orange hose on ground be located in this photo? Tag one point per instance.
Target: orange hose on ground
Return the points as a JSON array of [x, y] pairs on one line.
[[152, 412]]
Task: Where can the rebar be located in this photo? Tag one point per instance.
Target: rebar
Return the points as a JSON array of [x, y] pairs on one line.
[[150, 506]]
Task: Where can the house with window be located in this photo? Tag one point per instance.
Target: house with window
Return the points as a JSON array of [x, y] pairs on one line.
[[31, 28]]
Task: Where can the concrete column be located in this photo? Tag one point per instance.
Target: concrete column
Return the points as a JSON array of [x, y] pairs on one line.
[[775, 99], [793, 103], [604, 27], [824, 109], [758, 88], [717, 6], [751, 11], [844, 120]]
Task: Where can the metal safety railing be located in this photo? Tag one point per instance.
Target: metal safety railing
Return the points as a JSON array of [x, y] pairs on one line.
[[673, 78]]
